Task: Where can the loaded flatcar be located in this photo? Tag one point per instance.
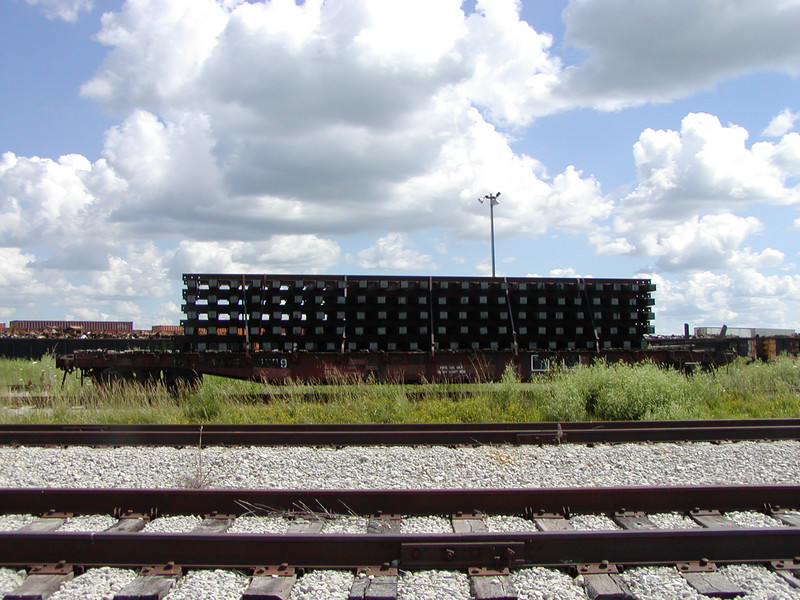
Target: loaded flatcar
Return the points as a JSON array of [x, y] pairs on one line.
[[334, 328]]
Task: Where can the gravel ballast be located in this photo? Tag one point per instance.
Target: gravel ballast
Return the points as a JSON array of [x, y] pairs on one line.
[[401, 467], [406, 468]]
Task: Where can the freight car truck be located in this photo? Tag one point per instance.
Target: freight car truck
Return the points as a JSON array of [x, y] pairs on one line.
[[326, 328]]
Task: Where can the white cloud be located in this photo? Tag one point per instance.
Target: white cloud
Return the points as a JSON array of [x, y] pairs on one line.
[[324, 118], [251, 134], [706, 166], [139, 273], [743, 298], [514, 71], [710, 242], [67, 10], [781, 124], [22, 287], [655, 51], [278, 254], [690, 184], [50, 201], [395, 252]]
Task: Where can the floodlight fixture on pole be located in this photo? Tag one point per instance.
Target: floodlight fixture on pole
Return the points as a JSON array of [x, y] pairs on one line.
[[493, 200]]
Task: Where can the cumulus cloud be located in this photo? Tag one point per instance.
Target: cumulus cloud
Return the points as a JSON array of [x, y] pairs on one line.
[[395, 252], [251, 134], [67, 10], [52, 201], [278, 254], [781, 124], [323, 118], [690, 181], [655, 51], [710, 242], [22, 286], [706, 165], [734, 298]]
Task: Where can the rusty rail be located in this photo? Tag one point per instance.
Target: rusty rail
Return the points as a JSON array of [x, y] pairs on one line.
[[410, 551], [401, 434], [432, 551], [519, 501]]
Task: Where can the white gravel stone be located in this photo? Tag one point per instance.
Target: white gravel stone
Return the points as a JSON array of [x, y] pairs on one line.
[[322, 585], [546, 584], [176, 524], [10, 580], [757, 463], [95, 584], [426, 585], [255, 524], [88, 523], [501, 524], [753, 519], [209, 585], [592, 522], [760, 583], [12, 522], [400, 467], [658, 583], [425, 525], [673, 521]]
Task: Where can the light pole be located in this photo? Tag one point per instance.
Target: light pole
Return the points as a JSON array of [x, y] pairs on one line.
[[493, 200]]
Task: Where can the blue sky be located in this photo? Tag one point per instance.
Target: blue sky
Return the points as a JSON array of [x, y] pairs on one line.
[[141, 139]]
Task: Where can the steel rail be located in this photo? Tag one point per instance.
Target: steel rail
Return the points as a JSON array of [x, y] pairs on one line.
[[512, 501], [401, 434], [409, 551]]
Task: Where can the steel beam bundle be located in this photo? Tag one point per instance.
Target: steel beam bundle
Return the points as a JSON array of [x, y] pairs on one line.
[[350, 314]]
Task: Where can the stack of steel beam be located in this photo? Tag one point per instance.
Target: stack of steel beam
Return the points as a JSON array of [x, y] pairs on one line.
[[376, 313]]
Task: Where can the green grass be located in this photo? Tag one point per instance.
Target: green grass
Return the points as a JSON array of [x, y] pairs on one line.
[[32, 392]]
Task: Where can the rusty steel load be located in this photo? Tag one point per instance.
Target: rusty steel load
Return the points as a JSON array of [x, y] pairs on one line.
[[339, 328]]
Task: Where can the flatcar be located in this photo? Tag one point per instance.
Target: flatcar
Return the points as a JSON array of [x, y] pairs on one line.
[[338, 328]]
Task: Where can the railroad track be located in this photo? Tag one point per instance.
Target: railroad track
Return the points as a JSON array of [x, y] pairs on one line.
[[547, 533], [401, 434]]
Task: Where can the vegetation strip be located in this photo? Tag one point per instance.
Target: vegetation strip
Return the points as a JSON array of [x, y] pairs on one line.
[[405, 434], [32, 392]]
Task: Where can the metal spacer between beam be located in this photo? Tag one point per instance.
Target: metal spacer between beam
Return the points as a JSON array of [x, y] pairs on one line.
[[131, 514], [59, 568], [629, 513], [601, 568], [792, 564], [486, 572], [700, 512], [282, 570], [169, 569], [531, 513], [466, 515], [382, 571], [699, 566]]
